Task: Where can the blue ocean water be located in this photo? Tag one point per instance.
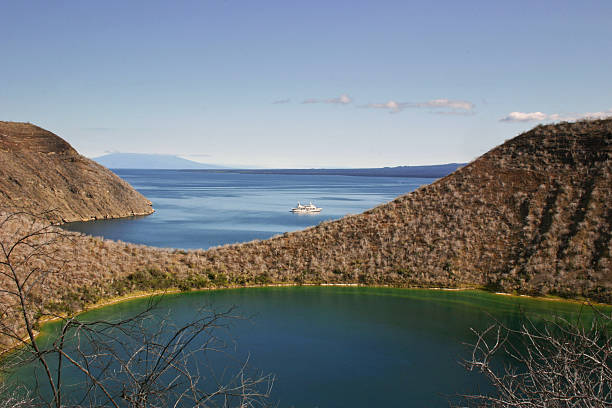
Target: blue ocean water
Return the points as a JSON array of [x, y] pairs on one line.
[[204, 208]]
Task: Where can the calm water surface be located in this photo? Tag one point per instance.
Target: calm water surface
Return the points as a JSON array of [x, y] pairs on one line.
[[328, 347], [353, 347], [201, 208]]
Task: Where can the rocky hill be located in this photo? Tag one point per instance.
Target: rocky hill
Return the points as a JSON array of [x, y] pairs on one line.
[[39, 170], [533, 216]]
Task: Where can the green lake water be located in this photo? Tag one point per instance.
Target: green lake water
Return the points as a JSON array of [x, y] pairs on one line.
[[351, 346]]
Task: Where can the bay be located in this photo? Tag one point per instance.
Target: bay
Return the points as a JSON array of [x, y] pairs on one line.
[[205, 208], [327, 346]]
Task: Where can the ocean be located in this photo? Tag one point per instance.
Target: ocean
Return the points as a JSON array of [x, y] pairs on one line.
[[207, 208]]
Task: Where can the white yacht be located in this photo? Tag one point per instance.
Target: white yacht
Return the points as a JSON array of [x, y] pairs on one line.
[[306, 209]]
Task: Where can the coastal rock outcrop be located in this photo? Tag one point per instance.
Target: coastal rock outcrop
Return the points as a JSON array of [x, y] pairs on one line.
[[41, 171]]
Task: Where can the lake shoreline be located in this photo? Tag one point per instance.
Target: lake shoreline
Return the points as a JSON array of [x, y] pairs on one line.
[[174, 291], [310, 325]]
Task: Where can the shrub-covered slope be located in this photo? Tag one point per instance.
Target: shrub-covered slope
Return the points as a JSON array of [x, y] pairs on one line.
[[39, 170], [533, 215]]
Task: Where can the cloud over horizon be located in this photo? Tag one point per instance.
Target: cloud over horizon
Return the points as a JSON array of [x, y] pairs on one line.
[[554, 117], [343, 99], [442, 106]]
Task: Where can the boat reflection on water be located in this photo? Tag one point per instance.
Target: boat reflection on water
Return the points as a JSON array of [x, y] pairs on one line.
[[306, 209]]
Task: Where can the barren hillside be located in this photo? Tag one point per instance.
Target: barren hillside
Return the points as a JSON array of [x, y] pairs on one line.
[[39, 170], [533, 215]]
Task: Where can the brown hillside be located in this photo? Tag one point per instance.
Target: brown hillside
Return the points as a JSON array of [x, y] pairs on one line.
[[39, 170], [533, 215]]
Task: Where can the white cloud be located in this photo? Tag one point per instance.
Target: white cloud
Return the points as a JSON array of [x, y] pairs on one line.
[[392, 106], [524, 117], [343, 99], [446, 103], [578, 116], [455, 112], [281, 101], [598, 115], [440, 106], [553, 117]]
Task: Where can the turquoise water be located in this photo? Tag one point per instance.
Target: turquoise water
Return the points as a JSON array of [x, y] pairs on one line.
[[200, 209], [349, 346], [327, 346]]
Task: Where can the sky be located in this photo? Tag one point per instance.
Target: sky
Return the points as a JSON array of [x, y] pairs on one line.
[[300, 84]]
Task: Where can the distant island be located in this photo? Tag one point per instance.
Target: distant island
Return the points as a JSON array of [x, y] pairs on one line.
[[431, 171], [150, 161], [172, 162]]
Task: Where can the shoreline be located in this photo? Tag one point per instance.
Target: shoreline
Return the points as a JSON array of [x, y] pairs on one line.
[[91, 218], [173, 291]]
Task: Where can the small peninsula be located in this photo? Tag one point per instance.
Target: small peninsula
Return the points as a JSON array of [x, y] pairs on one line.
[[41, 171]]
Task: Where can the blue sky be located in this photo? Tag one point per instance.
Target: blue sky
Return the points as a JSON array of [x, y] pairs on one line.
[[303, 84]]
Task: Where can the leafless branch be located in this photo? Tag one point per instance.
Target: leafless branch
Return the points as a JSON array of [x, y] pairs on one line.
[[138, 361], [560, 363]]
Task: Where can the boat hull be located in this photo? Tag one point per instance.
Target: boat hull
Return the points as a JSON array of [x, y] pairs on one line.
[[305, 211]]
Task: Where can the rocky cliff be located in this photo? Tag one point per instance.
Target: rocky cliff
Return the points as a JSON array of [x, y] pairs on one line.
[[41, 171]]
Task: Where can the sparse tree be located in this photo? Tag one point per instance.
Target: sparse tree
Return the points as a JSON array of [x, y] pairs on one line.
[[139, 361], [15, 398], [559, 364]]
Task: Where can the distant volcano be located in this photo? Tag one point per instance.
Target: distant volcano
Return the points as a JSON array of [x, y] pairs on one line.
[[150, 161]]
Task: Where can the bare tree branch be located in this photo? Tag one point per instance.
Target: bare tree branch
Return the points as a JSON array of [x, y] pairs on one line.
[[138, 361], [559, 364]]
